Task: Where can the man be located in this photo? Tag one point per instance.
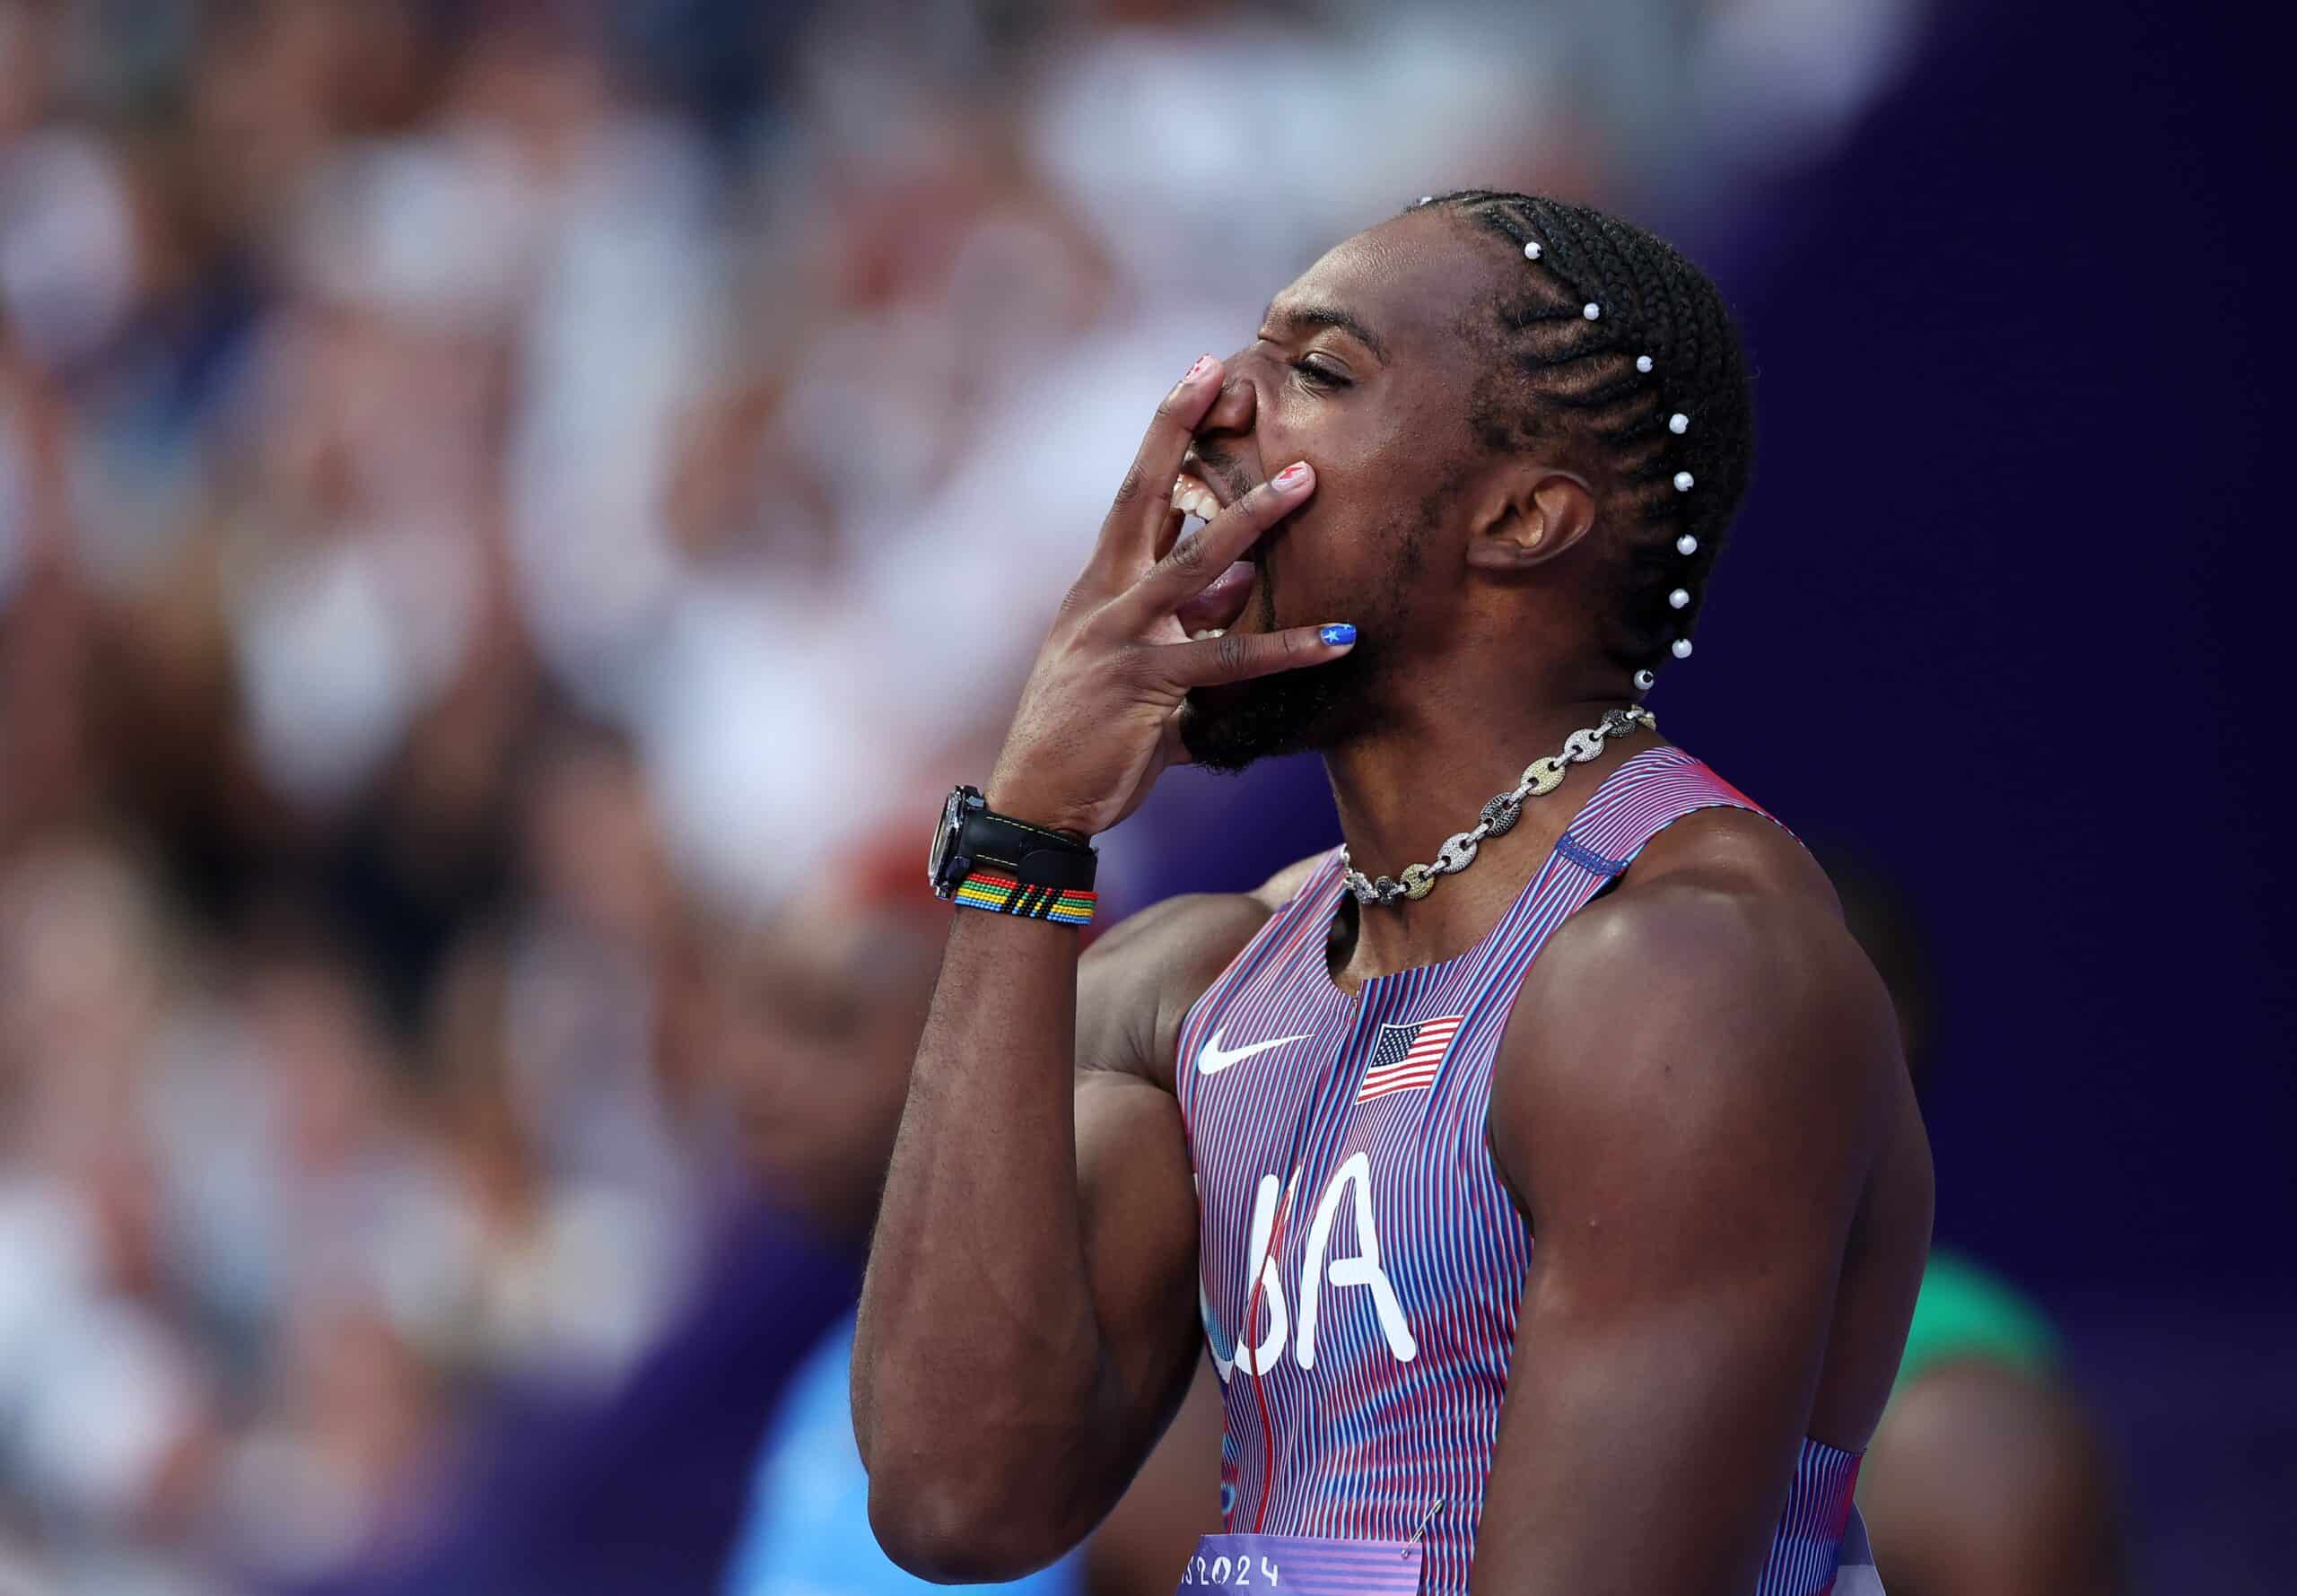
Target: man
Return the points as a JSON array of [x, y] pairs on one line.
[[1987, 1475], [1559, 1205]]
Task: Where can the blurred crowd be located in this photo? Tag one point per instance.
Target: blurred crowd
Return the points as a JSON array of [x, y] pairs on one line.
[[499, 501]]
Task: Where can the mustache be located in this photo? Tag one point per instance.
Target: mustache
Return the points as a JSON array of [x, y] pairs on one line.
[[1233, 483]]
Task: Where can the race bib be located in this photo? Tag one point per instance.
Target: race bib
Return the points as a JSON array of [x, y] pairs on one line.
[[1302, 1566]]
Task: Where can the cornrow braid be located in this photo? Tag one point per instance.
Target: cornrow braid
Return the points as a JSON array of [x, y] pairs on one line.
[[1609, 336]]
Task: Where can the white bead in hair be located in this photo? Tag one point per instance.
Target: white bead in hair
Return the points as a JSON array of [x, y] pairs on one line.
[[1643, 362], [1679, 423], [1682, 482], [1643, 680], [1425, 198], [1590, 310], [1678, 599], [1683, 648], [1686, 546], [1531, 250]]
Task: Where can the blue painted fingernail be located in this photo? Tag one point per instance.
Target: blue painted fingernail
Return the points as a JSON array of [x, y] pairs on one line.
[[1339, 634]]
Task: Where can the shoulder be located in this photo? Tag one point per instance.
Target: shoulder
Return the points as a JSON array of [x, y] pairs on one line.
[[1285, 886], [1136, 983], [1720, 896], [1713, 1003]]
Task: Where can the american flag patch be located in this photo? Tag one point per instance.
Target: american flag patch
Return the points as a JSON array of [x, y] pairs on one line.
[[1405, 1058]]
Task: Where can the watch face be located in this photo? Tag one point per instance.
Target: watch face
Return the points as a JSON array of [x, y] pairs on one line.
[[943, 837]]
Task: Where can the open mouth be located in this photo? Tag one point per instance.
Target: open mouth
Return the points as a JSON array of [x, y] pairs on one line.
[[1210, 612], [1192, 495]]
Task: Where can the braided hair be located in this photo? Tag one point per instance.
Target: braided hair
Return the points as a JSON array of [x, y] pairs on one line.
[[1608, 337]]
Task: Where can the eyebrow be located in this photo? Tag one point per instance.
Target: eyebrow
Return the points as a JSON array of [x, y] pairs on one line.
[[1331, 316]]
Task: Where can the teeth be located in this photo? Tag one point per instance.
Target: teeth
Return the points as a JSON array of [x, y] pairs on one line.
[[1193, 498], [1209, 632]]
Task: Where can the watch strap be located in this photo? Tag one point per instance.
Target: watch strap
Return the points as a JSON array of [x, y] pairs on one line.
[[1003, 894], [1033, 855], [1006, 866]]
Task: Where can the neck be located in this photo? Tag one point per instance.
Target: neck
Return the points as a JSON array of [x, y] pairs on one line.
[[1402, 790]]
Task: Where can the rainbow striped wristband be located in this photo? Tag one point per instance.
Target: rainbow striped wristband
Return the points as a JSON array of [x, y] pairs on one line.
[[1001, 895]]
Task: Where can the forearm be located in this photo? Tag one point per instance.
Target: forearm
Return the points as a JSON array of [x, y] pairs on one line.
[[987, 1401], [979, 1363]]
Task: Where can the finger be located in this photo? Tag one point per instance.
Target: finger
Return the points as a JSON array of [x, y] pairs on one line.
[[1192, 563], [1145, 497], [1236, 656], [1168, 534]]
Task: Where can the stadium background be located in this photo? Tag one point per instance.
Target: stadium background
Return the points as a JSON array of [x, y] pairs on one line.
[[479, 482]]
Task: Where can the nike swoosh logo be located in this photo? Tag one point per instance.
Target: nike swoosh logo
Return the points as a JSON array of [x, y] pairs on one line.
[[1211, 1058]]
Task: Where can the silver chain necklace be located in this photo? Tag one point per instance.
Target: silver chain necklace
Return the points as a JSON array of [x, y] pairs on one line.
[[1541, 777]]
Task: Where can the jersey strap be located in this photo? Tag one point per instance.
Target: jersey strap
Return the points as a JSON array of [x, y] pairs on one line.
[[1644, 797]]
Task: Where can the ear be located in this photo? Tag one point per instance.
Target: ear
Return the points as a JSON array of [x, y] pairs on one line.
[[1528, 517]]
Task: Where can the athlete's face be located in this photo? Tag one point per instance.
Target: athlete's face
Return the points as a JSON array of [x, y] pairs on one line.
[[1362, 368]]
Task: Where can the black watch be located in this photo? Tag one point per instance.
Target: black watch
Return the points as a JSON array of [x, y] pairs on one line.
[[970, 837]]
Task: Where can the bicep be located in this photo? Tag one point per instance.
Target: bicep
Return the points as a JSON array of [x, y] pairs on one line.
[[1139, 1215], [1656, 1401], [1135, 1188], [1689, 1134]]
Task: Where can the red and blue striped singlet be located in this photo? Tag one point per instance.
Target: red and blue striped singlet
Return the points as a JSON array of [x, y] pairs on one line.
[[1350, 1132]]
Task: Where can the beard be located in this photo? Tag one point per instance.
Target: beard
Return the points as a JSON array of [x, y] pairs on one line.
[[1294, 711], [1317, 707]]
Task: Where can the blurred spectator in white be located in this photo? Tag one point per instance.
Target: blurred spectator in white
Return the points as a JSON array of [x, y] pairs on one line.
[[108, 1409], [625, 311]]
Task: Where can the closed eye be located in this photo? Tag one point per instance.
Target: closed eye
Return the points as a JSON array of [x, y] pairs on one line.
[[1320, 374]]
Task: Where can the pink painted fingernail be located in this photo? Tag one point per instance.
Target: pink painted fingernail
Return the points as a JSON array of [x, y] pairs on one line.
[[1293, 476], [1196, 372]]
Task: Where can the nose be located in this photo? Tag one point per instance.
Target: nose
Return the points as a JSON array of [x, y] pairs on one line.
[[1232, 413]]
